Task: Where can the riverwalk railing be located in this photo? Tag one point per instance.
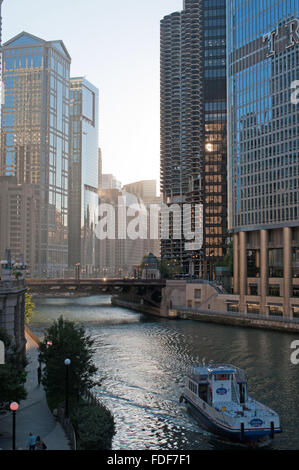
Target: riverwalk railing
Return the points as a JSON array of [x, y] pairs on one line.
[[92, 399], [251, 316], [68, 428]]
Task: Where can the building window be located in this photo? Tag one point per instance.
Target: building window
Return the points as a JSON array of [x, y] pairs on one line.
[[233, 308], [253, 309], [276, 311], [197, 294], [274, 291], [296, 312], [295, 291], [253, 289]]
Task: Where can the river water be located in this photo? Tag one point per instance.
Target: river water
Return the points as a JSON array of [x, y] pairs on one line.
[[143, 363]]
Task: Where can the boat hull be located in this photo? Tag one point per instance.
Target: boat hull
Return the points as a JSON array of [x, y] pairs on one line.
[[248, 437]]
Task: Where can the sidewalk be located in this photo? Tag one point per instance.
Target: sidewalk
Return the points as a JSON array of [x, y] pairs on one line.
[[33, 415]]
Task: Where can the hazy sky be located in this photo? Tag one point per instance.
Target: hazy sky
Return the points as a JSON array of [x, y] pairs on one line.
[[116, 45]]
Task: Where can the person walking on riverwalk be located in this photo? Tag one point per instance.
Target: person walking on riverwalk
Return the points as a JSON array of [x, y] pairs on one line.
[[40, 445], [32, 441], [39, 375]]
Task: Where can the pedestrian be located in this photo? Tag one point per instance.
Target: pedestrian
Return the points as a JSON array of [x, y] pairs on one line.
[[40, 445], [39, 375], [32, 441]]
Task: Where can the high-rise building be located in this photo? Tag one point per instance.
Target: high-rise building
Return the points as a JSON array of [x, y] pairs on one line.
[[193, 128], [122, 253], [146, 190], [18, 214], [35, 139], [110, 182], [83, 170], [100, 170], [263, 154]]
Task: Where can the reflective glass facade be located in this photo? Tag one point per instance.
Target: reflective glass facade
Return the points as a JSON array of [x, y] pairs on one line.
[[35, 138], [84, 173], [263, 124]]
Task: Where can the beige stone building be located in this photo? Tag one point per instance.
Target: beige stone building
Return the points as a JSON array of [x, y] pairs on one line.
[[18, 221]]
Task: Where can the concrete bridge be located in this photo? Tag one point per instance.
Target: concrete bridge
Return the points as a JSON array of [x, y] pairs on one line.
[[133, 290]]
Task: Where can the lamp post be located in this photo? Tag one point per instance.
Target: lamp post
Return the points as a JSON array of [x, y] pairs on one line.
[[67, 363], [14, 408]]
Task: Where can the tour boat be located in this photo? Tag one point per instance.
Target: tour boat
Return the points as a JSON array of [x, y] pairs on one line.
[[217, 397]]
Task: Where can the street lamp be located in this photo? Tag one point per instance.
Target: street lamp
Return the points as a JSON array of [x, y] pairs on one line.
[[67, 363], [14, 408]]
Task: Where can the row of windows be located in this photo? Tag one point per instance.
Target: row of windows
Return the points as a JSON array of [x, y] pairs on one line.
[[267, 216], [23, 62], [215, 12], [215, 62], [215, 106], [214, 3], [215, 73], [215, 32], [215, 22], [215, 52]]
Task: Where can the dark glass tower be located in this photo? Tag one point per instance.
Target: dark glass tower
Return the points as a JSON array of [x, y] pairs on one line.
[[193, 127]]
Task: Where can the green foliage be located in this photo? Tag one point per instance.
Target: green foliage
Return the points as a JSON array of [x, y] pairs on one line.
[[12, 374], [29, 307], [169, 268], [67, 341], [228, 260], [94, 425]]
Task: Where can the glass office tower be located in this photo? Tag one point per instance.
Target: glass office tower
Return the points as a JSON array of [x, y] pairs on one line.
[[193, 128], [84, 174], [35, 139], [263, 160]]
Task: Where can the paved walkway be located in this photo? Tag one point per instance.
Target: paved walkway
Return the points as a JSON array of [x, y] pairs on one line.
[[33, 415]]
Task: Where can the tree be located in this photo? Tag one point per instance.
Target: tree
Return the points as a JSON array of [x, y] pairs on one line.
[[65, 340], [169, 268], [94, 426], [12, 374], [228, 260], [29, 307]]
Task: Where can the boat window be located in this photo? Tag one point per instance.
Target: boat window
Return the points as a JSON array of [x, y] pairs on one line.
[[223, 377], [203, 392], [242, 393], [192, 387]]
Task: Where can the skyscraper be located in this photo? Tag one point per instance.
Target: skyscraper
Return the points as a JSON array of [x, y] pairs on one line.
[[84, 173], [263, 154], [35, 139], [193, 127]]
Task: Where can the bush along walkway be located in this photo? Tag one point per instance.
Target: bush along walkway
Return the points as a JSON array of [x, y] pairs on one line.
[[33, 414]]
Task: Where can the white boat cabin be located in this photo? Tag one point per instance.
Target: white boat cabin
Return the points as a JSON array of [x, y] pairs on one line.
[[218, 386]]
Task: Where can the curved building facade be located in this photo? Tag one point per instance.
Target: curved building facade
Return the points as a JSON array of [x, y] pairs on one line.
[[193, 129]]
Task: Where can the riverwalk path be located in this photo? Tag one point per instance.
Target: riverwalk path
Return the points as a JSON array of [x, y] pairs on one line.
[[33, 415]]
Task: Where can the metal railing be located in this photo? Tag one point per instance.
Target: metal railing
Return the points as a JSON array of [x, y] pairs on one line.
[[68, 428], [250, 316]]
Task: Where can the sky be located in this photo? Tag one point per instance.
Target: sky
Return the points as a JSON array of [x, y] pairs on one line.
[[116, 45]]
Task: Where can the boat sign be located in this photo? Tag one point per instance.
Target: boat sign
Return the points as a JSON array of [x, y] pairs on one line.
[[256, 423], [221, 391]]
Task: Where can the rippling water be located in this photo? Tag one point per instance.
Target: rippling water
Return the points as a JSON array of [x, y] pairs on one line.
[[143, 363]]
